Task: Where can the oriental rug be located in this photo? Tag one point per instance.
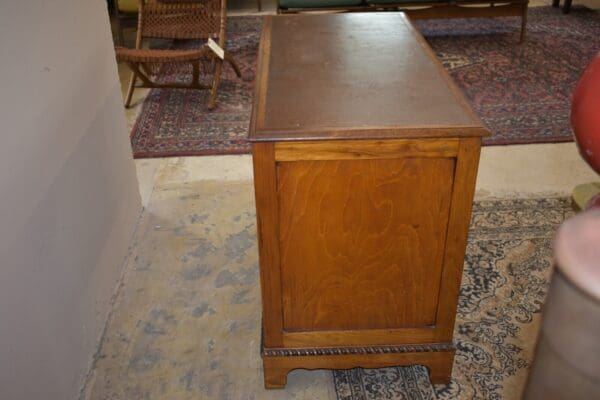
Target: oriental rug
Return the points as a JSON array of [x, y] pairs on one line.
[[522, 92], [507, 270]]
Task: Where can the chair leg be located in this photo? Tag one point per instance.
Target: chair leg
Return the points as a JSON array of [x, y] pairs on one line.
[[233, 64], [212, 99], [259, 5], [567, 6], [130, 90], [523, 25], [555, 3]]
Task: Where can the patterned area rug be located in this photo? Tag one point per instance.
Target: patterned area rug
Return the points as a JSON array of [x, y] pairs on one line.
[[507, 270], [522, 92]]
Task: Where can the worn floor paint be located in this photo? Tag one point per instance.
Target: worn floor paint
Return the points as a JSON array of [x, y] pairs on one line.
[[187, 322]]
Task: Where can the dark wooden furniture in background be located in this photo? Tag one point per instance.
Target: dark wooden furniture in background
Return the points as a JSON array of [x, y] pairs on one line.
[[419, 9], [566, 5], [365, 157]]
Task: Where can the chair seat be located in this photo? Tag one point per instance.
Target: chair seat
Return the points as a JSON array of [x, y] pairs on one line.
[[159, 56]]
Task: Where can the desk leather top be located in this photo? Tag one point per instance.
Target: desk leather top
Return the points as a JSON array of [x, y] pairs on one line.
[[351, 76]]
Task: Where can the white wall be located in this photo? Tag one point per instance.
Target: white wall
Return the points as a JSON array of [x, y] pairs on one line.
[[68, 192]]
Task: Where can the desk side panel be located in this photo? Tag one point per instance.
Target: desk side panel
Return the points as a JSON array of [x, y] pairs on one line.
[[362, 242]]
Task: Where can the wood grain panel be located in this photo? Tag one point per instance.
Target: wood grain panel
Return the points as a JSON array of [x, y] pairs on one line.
[[361, 242], [366, 149]]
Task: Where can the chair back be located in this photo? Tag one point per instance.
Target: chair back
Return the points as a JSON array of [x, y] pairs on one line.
[[183, 19]]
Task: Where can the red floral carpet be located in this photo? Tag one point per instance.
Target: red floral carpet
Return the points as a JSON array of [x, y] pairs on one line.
[[521, 92]]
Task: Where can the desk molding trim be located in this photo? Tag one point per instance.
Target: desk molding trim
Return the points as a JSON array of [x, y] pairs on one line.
[[335, 351]]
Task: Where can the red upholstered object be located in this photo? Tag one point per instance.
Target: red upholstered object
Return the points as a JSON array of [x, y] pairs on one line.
[[585, 114]]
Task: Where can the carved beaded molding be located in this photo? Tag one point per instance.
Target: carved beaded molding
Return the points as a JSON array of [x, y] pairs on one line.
[[339, 351]]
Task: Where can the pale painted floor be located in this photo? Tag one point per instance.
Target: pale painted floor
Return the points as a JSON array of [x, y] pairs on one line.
[[517, 170]]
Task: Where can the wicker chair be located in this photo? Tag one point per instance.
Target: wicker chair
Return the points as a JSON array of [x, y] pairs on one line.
[[178, 19]]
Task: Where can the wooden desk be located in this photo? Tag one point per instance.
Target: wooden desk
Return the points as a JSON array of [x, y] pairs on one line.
[[365, 157]]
